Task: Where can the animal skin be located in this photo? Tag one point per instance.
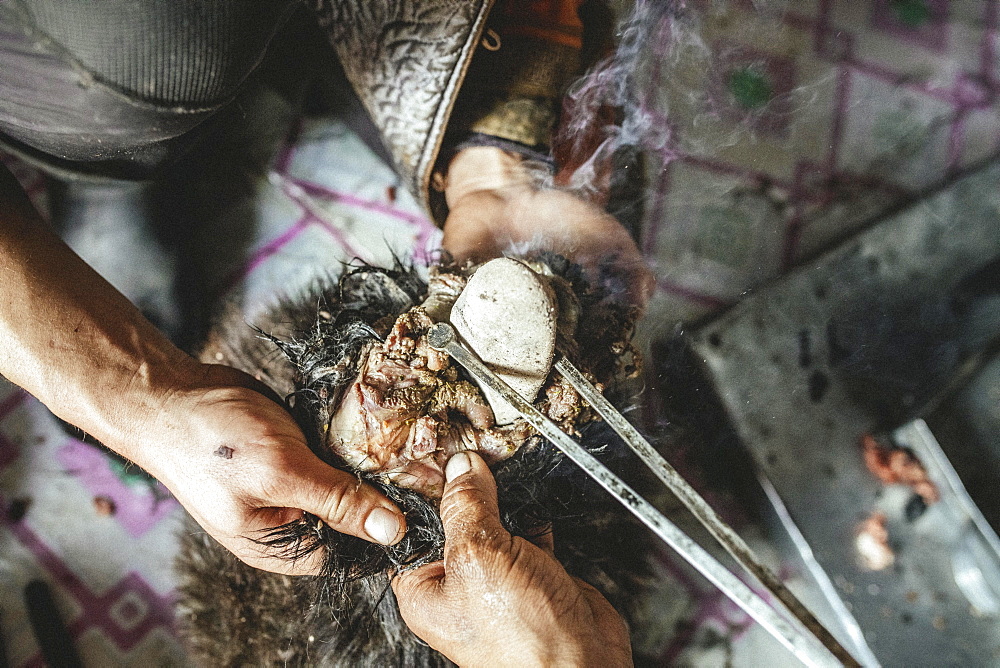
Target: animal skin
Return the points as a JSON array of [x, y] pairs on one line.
[[309, 350]]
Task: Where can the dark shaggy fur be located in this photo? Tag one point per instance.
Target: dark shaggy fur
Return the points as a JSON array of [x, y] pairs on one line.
[[307, 349]]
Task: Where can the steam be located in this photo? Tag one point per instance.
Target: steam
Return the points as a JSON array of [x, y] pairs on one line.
[[663, 76], [644, 39]]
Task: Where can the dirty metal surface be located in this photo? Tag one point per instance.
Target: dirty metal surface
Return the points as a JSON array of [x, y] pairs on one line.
[[858, 342]]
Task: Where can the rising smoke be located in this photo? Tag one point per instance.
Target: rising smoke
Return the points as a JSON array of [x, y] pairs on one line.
[[662, 91]]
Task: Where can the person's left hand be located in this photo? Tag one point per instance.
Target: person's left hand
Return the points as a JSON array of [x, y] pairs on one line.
[[494, 207], [239, 464], [497, 599]]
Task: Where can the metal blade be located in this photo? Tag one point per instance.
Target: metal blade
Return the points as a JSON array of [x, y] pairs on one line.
[[694, 502], [805, 647]]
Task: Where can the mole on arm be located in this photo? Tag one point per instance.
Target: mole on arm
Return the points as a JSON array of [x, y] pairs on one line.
[[224, 451]]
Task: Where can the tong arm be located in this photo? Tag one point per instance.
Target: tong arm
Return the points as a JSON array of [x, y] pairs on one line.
[[703, 512], [803, 645]]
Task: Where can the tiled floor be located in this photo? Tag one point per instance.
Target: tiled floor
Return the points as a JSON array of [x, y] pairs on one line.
[[843, 111]]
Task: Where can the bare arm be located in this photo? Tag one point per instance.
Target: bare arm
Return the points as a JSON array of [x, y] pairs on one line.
[[494, 207], [233, 457], [66, 332]]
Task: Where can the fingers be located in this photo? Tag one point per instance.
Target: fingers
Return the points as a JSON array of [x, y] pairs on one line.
[[421, 600], [623, 274], [483, 168], [487, 223], [611, 627], [474, 538], [469, 511], [343, 502], [271, 559], [471, 232]]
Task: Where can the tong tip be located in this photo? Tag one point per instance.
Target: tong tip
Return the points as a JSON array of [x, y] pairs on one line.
[[440, 336]]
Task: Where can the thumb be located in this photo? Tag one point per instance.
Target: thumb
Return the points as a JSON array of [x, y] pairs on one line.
[[469, 511], [342, 501], [472, 529]]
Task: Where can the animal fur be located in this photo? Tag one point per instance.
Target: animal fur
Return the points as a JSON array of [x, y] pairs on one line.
[[306, 350]]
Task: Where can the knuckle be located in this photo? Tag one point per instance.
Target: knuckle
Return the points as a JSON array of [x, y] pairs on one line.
[[463, 553], [466, 562], [462, 488], [271, 485], [461, 501], [406, 590], [275, 470], [276, 457], [334, 503], [491, 539], [479, 551]]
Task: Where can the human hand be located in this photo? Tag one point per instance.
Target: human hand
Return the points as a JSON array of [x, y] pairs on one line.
[[234, 458], [496, 599], [494, 207], [239, 464]]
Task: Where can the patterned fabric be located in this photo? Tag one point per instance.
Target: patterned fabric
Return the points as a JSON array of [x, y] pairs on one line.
[[787, 132], [530, 55], [102, 535], [406, 60]]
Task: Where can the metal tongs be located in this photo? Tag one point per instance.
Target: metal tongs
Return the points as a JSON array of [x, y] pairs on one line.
[[799, 631]]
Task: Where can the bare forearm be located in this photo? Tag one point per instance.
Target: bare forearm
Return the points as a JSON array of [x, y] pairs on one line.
[[494, 207], [233, 457], [70, 338]]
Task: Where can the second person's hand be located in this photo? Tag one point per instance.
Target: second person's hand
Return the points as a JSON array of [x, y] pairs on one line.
[[498, 599], [495, 208]]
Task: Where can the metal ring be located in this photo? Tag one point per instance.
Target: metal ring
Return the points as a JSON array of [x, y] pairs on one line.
[[491, 40]]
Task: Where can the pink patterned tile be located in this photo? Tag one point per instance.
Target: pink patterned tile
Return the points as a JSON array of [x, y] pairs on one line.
[[922, 22], [125, 614], [753, 87], [138, 504]]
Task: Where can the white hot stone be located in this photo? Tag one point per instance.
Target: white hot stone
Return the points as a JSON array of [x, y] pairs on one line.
[[507, 316]]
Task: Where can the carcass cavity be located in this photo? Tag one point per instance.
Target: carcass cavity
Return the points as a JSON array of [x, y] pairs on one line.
[[408, 411]]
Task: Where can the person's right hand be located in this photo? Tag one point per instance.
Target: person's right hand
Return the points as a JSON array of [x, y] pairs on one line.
[[496, 599], [495, 208]]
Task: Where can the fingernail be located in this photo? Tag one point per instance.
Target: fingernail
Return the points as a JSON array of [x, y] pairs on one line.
[[457, 465], [382, 526]]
